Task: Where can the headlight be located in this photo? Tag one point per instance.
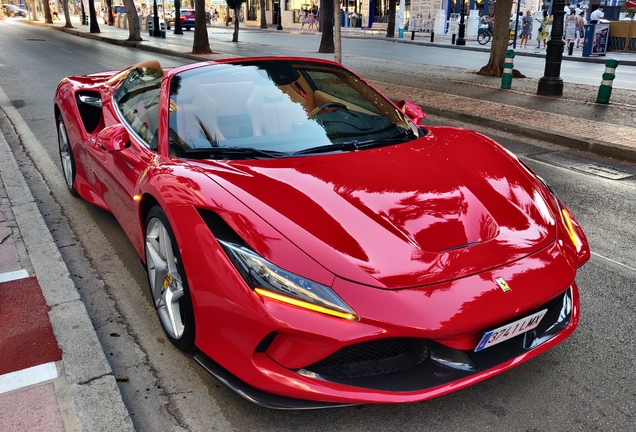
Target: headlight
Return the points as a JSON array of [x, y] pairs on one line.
[[566, 219], [269, 280]]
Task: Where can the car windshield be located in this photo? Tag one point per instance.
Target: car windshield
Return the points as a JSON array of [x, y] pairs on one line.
[[279, 108]]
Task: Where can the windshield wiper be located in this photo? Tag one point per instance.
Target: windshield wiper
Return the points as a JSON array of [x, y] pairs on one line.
[[234, 151], [345, 146]]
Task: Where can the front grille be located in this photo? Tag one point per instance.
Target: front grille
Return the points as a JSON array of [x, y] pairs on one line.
[[372, 358]]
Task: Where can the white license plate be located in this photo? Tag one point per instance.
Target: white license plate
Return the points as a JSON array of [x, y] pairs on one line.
[[503, 333]]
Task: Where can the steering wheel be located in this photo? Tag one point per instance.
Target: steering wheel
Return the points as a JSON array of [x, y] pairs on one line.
[[335, 105]]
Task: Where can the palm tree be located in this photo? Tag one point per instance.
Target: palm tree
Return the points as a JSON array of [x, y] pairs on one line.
[[263, 17], [92, 16], [134, 29], [236, 7], [326, 15], [67, 15], [201, 43], [390, 29], [499, 41], [177, 18]]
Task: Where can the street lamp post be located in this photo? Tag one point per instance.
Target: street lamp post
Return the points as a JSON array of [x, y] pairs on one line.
[[156, 31], [551, 83], [462, 28], [279, 26]]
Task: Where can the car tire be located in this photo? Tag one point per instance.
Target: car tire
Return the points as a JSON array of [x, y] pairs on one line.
[[167, 280], [66, 156]]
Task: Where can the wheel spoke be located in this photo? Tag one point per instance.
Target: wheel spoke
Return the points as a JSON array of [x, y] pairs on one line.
[[65, 155], [165, 282]]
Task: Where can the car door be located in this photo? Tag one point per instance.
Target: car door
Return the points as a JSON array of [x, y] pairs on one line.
[[136, 103]]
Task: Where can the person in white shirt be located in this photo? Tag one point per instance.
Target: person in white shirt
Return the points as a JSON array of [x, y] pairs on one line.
[[597, 14]]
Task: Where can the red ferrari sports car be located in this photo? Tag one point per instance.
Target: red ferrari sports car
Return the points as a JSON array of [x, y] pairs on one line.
[[315, 243]]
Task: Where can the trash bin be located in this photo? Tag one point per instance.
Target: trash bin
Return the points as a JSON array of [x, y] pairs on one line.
[[596, 38]]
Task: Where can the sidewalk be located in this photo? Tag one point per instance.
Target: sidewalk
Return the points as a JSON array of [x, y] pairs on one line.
[[573, 120], [54, 375]]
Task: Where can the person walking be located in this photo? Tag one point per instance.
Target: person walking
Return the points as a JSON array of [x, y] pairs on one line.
[[580, 28], [542, 35], [310, 19], [526, 30], [303, 19], [570, 28]]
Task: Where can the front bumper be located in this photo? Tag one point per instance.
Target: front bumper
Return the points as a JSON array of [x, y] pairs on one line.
[[445, 369]]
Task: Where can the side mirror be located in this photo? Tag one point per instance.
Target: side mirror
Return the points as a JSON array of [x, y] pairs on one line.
[[113, 138], [412, 111]]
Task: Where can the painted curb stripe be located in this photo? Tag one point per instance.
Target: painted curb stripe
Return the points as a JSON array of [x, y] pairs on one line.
[[27, 377], [14, 275]]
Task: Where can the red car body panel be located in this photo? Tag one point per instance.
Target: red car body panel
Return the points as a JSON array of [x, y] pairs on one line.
[[414, 251]]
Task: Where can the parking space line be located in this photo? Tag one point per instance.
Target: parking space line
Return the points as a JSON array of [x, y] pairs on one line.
[[14, 275], [27, 377]]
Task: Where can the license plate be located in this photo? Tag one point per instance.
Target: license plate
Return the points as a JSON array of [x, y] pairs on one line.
[[503, 333]]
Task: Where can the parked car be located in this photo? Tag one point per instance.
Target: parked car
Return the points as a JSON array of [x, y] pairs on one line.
[[187, 18], [13, 11], [312, 239]]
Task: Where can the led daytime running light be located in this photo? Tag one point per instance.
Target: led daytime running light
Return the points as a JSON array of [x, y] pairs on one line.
[[303, 304], [567, 221]]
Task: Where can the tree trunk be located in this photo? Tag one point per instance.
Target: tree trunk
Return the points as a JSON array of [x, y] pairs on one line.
[[67, 15], [109, 12], [326, 15], [34, 15], [178, 30], [337, 37], [92, 17], [201, 44], [236, 24], [501, 34], [48, 18], [390, 29], [134, 30], [263, 17]]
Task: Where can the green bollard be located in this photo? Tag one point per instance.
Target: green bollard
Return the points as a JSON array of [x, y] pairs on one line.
[[605, 90], [506, 76]]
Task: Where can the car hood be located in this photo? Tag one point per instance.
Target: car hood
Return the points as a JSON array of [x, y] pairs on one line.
[[445, 206]]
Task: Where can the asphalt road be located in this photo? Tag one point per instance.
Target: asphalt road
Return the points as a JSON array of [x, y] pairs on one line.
[[586, 383]]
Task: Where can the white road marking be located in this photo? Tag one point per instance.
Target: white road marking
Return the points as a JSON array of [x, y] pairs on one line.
[[27, 377], [14, 275], [615, 262], [70, 52]]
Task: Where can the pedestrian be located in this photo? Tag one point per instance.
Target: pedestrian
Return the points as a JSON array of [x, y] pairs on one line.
[[526, 30], [310, 19], [580, 28], [542, 35], [303, 19], [570, 28], [597, 14]]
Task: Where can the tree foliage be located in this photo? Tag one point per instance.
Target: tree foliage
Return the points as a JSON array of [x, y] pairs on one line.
[[326, 40]]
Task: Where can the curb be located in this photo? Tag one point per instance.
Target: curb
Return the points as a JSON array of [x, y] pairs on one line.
[[91, 382], [597, 147]]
